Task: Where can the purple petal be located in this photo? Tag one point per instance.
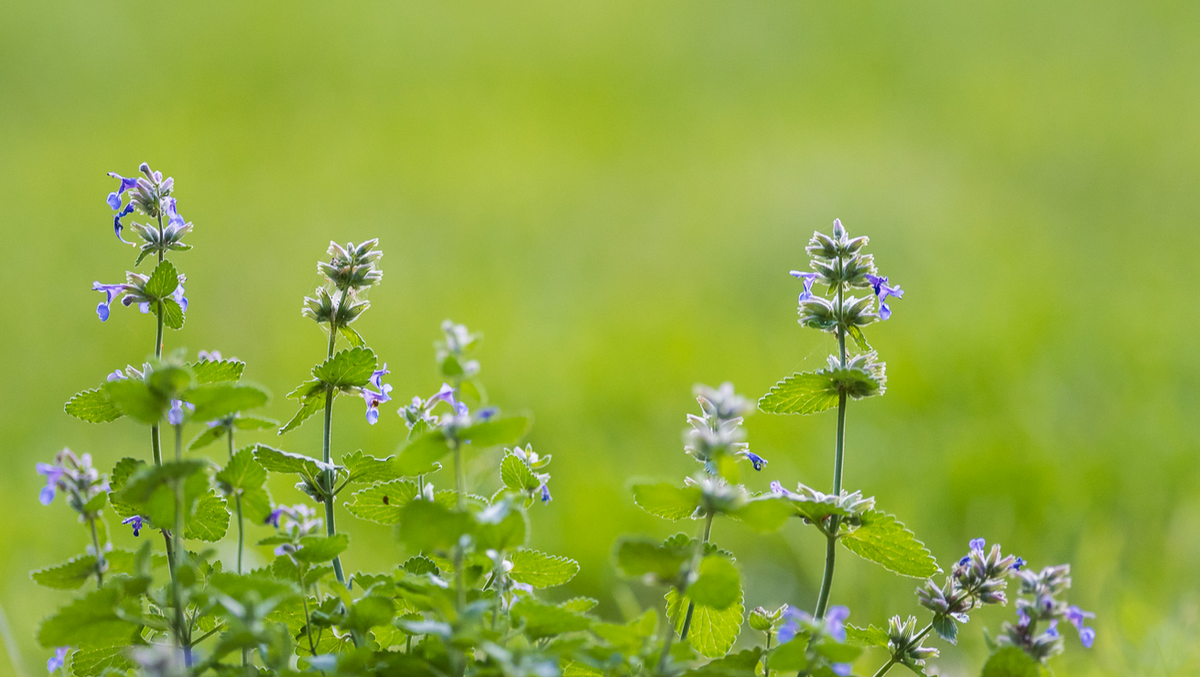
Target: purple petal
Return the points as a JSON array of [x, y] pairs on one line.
[[46, 495], [114, 201]]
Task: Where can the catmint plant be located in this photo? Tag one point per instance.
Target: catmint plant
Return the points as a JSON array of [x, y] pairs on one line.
[[465, 596]]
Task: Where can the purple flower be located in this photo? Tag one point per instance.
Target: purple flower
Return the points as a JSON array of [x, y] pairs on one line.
[[273, 518], [757, 461], [789, 630], [117, 222], [835, 622], [58, 659], [486, 413], [135, 523], [809, 279], [53, 474], [1077, 617], [173, 217], [175, 415], [841, 669], [1018, 564], [977, 544], [111, 293], [882, 292], [178, 294], [1052, 629], [375, 399], [777, 488], [209, 356], [117, 375], [545, 493], [377, 377]]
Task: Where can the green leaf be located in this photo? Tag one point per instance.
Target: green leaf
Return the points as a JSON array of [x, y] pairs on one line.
[[209, 521], [93, 406], [163, 281], [579, 604], [383, 503], [541, 570], [278, 460], [517, 475], [640, 558], [791, 656], [370, 612], [242, 473], [94, 620], [319, 549], [712, 632], [368, 469], [546, 620], [93, 662], [837, 652], [149, 492], [352, 337], [740, 664], [254, 423], [121, 472], [868, 636], [1012, 662], [421, 456], [172, 314], [806, 393], [347, 369], [426, 526], [148, 479], [217, 400], [884, 540], [208, 436], [501, 526], [667, 500], [946, 628], [420, 565], [495, 432], [135, 398], [216, 371], [67, 576], [244, 587], [718, 584], [308, 406], [765, 513]]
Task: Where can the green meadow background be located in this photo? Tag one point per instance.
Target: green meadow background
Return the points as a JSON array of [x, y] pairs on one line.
[[613, 194]]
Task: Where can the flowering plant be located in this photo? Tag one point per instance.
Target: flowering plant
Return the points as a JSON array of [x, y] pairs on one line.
[[465, 600]]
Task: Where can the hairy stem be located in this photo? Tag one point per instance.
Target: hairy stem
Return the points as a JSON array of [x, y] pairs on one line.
[[766, 657], [687, 619], [330, 527], [99, 553], [838, 460], [883, 670]]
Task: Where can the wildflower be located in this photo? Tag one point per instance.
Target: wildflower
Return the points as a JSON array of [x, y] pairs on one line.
[[74, 475], [377, 376], [1077, 617], [1018, 564], [135, 523], [545, 492], [209, 355], [175, 414], [835, 622], [808, 279], [59, 659], [53, 474], [882, 291], [374, 399], [111, 292], [757, 461]]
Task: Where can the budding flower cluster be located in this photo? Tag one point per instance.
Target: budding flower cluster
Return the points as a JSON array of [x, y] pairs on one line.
[[1038, 604], [294, 522], [75, 476], [718, 433], [349, 273], [852, 502], [453, 352], [837, 262], [904, 641], [133, 290], [977, 579]]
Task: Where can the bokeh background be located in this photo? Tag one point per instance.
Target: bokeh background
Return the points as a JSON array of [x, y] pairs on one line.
[[613, 194]]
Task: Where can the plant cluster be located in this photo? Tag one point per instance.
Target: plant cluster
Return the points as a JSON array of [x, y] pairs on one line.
[[465, 601]]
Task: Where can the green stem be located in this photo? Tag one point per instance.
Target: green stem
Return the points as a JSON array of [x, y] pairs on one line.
[[99, 554], [307, 621], [883, 670], [666, 650], [459, 483], [330, 527], [838, 461], [177, 542], [687, 619], [766, 656], [886, 666]]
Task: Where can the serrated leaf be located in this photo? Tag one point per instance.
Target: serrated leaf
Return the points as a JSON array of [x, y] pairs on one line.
[[94, 662], [1012, 662], [579, 605], [717, 584], [801, 393], [884, 540], [308, 406], [740, 664], [217, 400], [946, 628], [134, 398], [347, 369], [383, 503], [142, 485], [241, 473], [365, 469], [421, 456], [216, 371], [667, 500], [517, 475], [545, 620], [210, 520], [93, 406], [278, 460], [369, 612], [94, 620], [420, 565], [500, 527], [640, 558], [254, 423], [868, 636], [541, 570], [121, 472], [172, 314], [712, 632], [319, 549], [163, 281], [426, 526], [208, 436]]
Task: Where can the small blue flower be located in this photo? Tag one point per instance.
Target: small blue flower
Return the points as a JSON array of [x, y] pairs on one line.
[[173, 217], [117, 375], [135, 523], [111, 293], [178, 294], [755, 460], [777, 488], [835, 622], [175, 414], [1018, 564], [59, 659], [882, 292], [273, 518], [117, 222], [377, 376], [1052, 629], [374, 399], [486, 413], [1077, 617], [545, 493], [841, 669], [977, 544], [52, 473], [963, 562], [809, 279], [789, 630]]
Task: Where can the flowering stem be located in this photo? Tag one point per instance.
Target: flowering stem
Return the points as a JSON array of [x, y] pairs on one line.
[[886, 666], [766, 657], [330, 528], [687, 619], [99, 553], [915, 640], [839, 455], [177, 542]]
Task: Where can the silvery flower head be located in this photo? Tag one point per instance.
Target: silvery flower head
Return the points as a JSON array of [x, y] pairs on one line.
[[169, 237], [337, 306], [132, 291], [904, 644], [853, 503], [1039, 603], [73, 475], [352, 267], [716, 495], [825, 248], [985, 572], [863, 376], [722, 402], [147, 193]]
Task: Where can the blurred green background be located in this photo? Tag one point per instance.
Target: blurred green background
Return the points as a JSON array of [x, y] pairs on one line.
[[613, 194]]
